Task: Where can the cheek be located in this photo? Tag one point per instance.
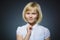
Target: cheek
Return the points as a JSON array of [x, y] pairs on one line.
[[35, 16], [26, 16]]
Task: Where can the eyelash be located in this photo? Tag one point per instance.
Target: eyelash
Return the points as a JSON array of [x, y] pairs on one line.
[[28, 13], [32, 13]]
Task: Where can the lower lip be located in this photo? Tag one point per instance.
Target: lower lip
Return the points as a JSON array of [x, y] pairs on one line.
[[30, 19]]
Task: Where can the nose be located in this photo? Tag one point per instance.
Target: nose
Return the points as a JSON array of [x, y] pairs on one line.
[[30, 15]]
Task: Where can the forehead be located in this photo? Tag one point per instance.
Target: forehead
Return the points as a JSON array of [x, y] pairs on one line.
[[31, 9]]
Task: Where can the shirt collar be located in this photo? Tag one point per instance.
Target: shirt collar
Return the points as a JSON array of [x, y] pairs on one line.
[[35, 25]]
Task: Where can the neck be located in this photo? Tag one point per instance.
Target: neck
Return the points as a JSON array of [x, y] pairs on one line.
[[31, 24]]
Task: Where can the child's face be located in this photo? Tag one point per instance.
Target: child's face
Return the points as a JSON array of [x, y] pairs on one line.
[[31, 15]]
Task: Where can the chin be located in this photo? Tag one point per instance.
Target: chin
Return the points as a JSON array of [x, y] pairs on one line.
[[31, 22]]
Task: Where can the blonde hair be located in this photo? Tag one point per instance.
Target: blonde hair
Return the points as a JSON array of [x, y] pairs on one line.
[[33, 4]]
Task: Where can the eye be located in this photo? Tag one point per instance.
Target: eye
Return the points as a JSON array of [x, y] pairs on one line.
[[33, 13], [28, 13]]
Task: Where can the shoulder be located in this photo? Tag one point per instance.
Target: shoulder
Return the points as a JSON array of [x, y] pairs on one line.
[[43, 28], [21, 27]]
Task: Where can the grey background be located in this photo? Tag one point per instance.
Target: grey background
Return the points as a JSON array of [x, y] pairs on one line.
[[11, 17]]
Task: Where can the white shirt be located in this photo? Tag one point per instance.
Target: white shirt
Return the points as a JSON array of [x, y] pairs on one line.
[[38, 33]]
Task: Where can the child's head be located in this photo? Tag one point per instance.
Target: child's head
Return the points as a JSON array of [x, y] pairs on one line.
[[32, 13]]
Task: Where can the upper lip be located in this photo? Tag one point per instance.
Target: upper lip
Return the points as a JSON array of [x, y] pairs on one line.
[[30, 19]]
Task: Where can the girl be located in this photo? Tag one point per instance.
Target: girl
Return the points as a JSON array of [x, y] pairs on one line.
[[32, 15]]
